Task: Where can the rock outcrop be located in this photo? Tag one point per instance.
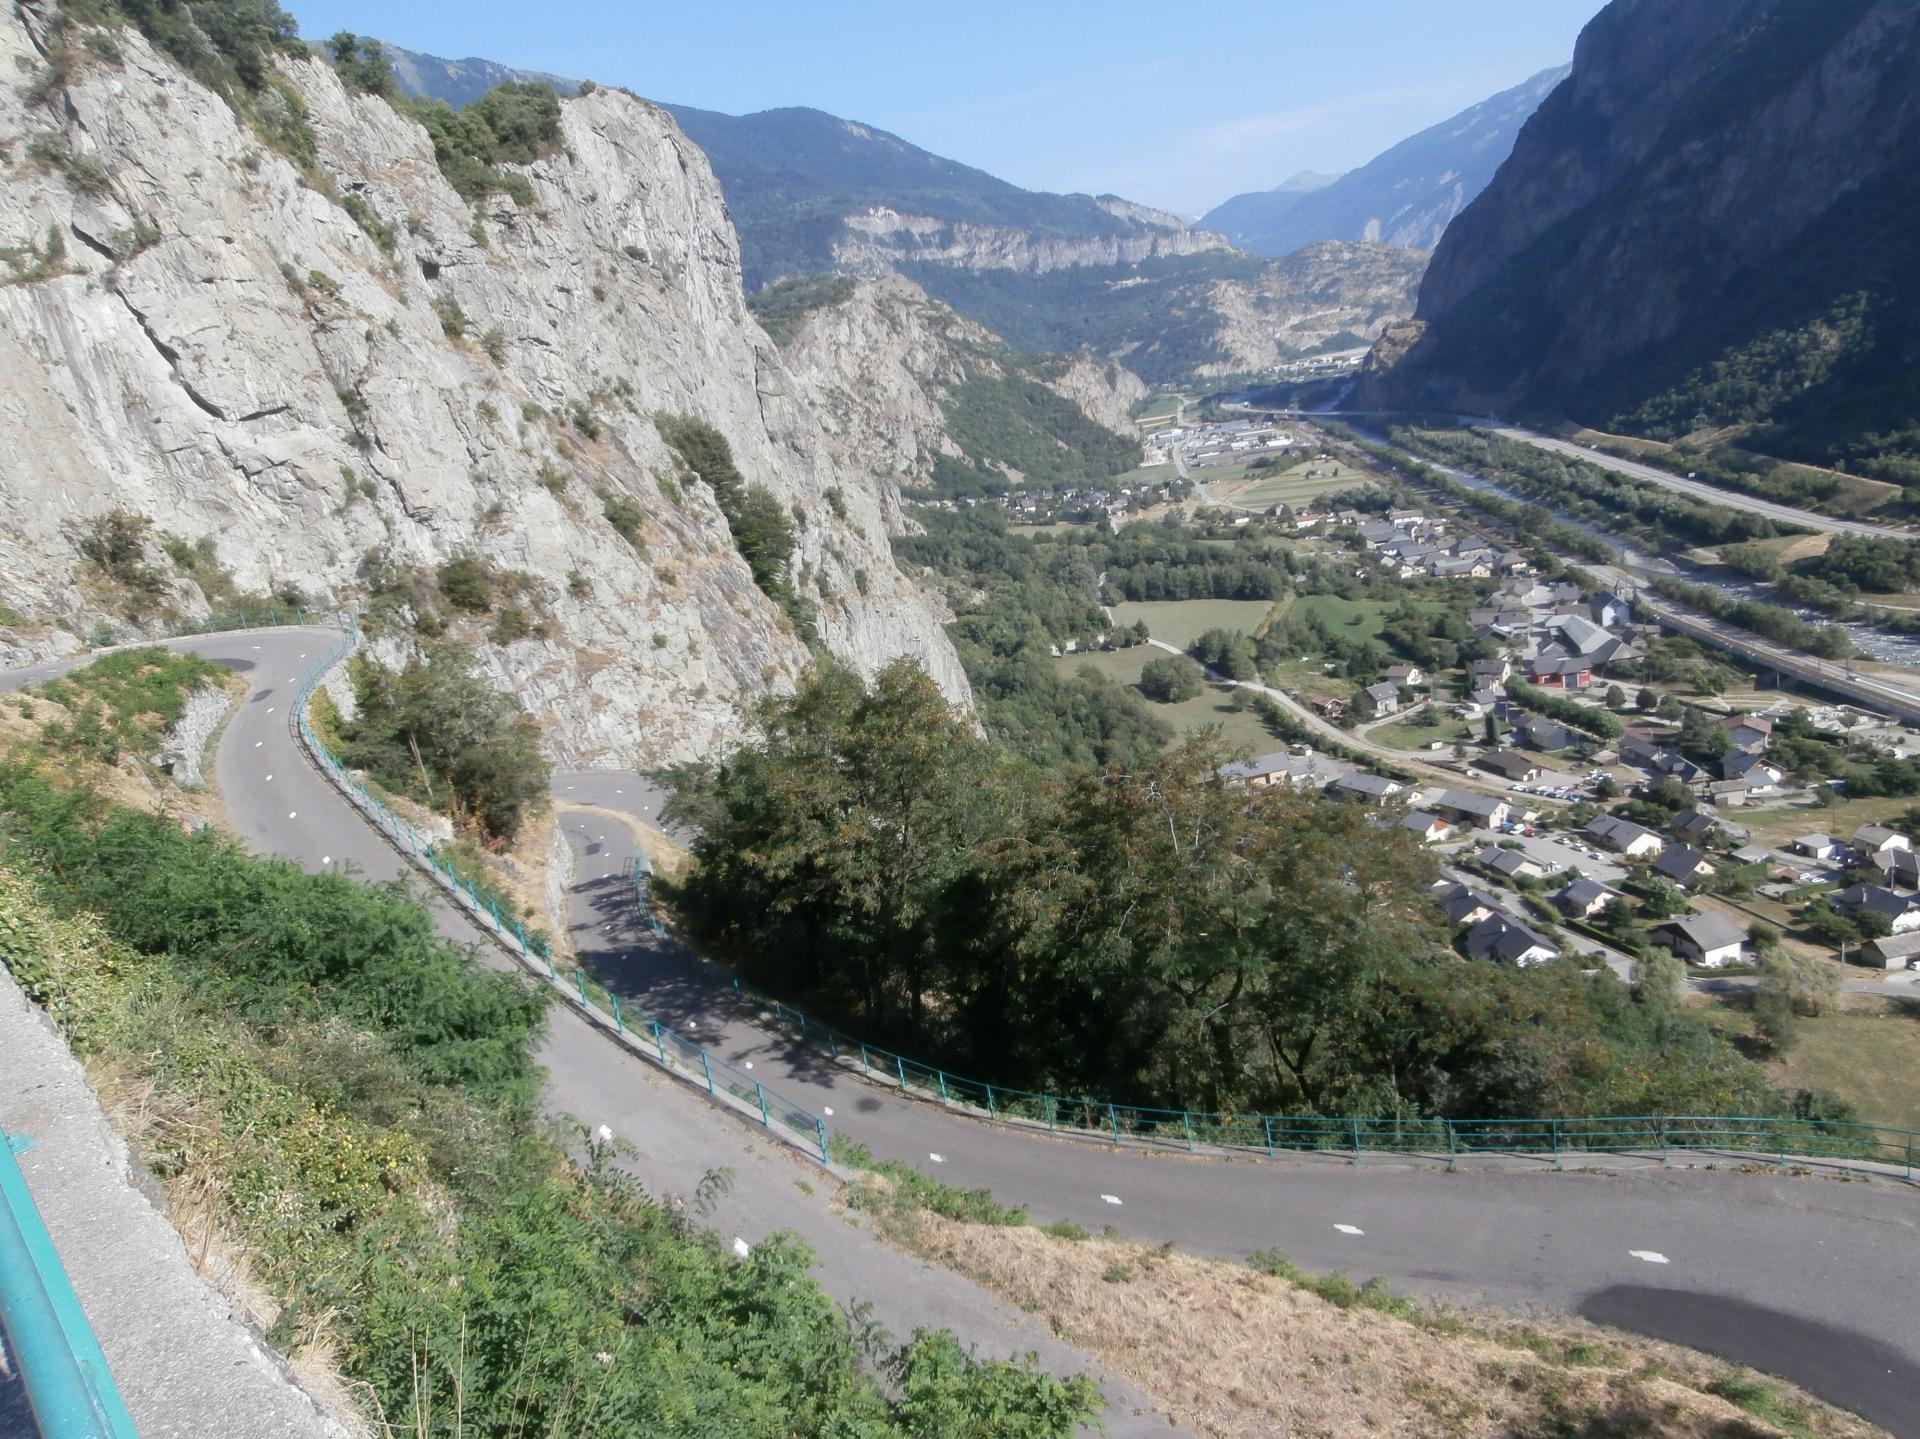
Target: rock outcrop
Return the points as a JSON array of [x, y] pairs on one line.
[[876, 365], [879, 236], [199, 332]]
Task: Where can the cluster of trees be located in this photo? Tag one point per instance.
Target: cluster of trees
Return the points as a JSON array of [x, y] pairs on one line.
[[1861, 563], [374, 1089], [761, 529], [1647, 512], [1571, 713], [1017, 597], [1011, 419], [1151, 934], [1773, 622], [1171, 679], [436, 730]]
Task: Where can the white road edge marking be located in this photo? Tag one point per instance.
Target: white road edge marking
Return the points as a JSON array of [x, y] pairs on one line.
[[269, 709], [1111, 1198], [1350, 1229], [1652, 1256]]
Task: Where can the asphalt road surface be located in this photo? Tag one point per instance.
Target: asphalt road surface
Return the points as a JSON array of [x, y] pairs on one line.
[[1811, 1278]]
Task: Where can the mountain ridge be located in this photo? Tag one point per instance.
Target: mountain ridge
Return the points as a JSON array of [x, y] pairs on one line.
[[1578, 285], [1404, 196]]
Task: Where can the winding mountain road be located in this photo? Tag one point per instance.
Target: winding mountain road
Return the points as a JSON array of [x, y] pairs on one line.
[[1811, 1278]]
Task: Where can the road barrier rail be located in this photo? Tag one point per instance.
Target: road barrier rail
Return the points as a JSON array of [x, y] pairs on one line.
[[54, 1352], [1779, 1139], [639, 1032]]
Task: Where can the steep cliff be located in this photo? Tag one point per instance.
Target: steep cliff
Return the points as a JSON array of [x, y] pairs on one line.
[[899, 381], [1709, 224], [302, 369], [1404, 196]]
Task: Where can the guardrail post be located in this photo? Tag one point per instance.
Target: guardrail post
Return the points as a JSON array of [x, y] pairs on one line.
[[580, 983], [1266, 1123], [706, 1067], [614, 1000], [1556, 1142], [941, 1075], [1355, 1126], [1662, 1122], [833, 1046], [1452, 1145], [820, 1128], [993, 1114], [1047, 1108], [1113, 1117], [760, 1093], [1909, 1156], [1186, 1119], [659, 1042], [865, 1066], [901, 1065]]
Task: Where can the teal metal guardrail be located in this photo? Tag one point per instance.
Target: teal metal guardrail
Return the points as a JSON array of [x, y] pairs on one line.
[[1778, 1138], [645, 1034], [68, 1385]]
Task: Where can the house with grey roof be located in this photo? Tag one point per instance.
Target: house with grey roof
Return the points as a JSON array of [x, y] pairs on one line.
[[1363, 786], [1902, 911], [1474, 808], [1510, 863], [1505, 940], [1708, 939], [1685, 866], [1623, 836], [1583, 898]]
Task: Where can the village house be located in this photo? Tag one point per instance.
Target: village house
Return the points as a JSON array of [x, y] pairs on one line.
[[1871, 839], [1821, 846], [1897, 868], [1359, 785], [1695, 824], [1893, 951], [1709, 940], [1381, 700], [1471, 808], [1463, 904], [1750, 733], [1902, 911], [1509, 764], [1623, 836], [1512, 863], [1270, 769], [1507, 941], [1410, 675], [1582, 898], [1431, 828], [1685, 866]]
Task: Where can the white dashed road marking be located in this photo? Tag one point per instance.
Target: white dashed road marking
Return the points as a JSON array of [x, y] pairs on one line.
[[269, 709], [293, 814], [326, 859], [1349, 1229], [1111, 1198], [749, 1064], [257, 743], [269, 779], [936, 1158], [689, 1024], [741, 1247], [827, 1112], [1652, 1256]]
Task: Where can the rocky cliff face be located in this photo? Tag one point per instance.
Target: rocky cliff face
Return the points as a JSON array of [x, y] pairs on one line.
[[876, 365], [1715, 206], [880, 237], [198, 332], [1324, 294]]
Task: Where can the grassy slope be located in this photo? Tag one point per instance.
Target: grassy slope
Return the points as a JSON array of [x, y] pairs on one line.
[[1241, 729]]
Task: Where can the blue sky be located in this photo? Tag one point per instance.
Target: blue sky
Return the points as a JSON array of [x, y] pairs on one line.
[[1165, 105]]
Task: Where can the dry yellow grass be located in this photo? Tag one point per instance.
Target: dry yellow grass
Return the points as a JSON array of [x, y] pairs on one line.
[[1238, 1354]]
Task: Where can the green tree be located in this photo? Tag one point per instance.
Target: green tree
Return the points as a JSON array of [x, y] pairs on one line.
[[1171, 679]]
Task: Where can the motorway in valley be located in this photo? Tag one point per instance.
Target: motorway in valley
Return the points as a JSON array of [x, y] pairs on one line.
[[1810, 1276]]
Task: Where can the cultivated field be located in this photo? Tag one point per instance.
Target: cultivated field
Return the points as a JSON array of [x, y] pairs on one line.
[[1305, 481], [1181, 622]]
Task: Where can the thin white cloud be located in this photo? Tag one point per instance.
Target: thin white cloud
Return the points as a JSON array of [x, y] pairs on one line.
[[1252, 133]]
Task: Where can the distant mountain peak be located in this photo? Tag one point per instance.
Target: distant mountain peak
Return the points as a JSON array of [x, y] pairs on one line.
[[1405, 196]]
